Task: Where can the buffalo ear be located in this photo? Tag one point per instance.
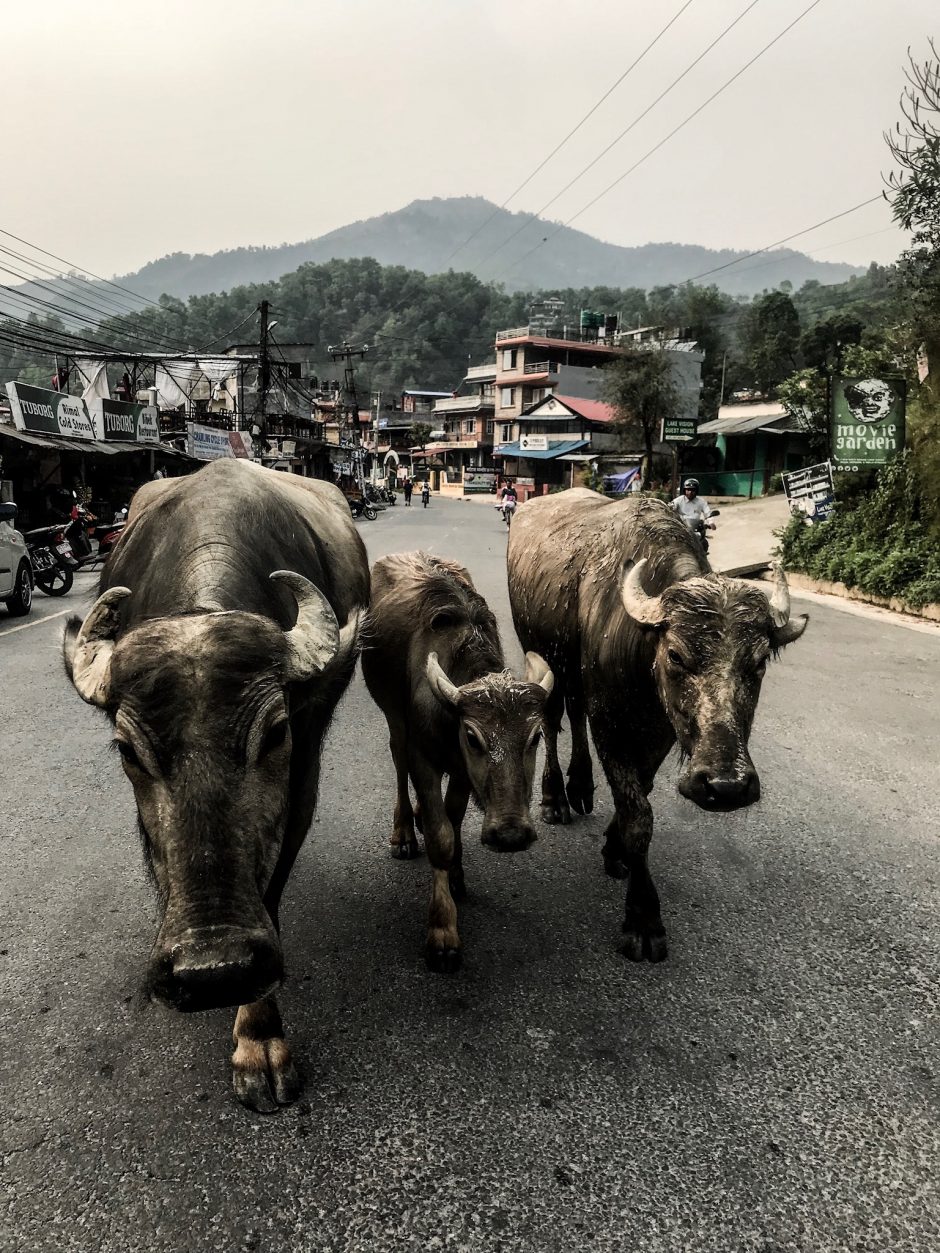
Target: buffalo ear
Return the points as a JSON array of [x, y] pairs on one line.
[[782, 635]]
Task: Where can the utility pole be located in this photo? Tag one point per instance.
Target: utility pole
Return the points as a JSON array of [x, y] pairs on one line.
[[264, 370], [346, 352], [375, 438]]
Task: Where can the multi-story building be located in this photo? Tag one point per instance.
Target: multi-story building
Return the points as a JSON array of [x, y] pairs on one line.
[[463, 437]]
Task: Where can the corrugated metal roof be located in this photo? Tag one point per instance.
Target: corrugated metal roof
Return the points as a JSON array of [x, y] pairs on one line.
[[742, 419], [529, 454], [90, 447]]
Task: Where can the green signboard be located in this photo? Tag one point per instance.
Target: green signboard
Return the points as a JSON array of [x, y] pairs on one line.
[[116, 419], [866, 421], [679, 430], [49, 413]]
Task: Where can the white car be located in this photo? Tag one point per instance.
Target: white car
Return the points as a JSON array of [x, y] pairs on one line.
[[16, 572]]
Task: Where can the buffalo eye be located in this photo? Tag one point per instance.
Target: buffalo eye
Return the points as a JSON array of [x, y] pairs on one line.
[[274, 739], [474, 741], [676, 659], [129, 755]]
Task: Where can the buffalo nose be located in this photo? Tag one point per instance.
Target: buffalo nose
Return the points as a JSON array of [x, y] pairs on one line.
[[509, 839], [732, 792], [217, 966]]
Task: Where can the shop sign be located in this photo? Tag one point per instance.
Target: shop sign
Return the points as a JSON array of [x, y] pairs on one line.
[[478, 480], [116, 419], [679, 430], [206, 443], [45, 412], [533, 443], [866, 421], [809, 492]]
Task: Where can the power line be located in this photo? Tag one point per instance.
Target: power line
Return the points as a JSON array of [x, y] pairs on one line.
[[613, 143], [558, 147], [796, 234], [656, 147]]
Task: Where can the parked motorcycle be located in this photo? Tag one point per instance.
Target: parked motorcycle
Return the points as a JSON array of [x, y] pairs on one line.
[[52, 558], [83, 529], [374, 496], [361, 508]]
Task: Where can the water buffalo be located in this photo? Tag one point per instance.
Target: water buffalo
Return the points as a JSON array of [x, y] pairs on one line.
[[653, 649], [433, 663], [215, 649]]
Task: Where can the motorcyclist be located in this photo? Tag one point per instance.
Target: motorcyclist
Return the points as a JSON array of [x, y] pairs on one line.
[[425, 493], [692, 508], [508, 499]]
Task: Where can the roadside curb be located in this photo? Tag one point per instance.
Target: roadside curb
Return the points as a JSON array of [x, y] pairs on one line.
[[802, 583]]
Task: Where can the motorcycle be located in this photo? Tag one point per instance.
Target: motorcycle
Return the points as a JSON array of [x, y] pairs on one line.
[[52, 558], [80, 532], [700, 527], [361, 508], [374, 497]]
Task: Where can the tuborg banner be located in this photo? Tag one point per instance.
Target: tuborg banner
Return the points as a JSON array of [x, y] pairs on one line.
[[116, 419], [45, 412]]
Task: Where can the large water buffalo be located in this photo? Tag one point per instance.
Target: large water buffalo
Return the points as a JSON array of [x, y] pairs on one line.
[[653, 649], [433, 662], [215, 647]]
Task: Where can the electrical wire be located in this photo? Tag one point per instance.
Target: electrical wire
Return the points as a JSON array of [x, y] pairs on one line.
[[558, 147], [613, 143], [675, 130]]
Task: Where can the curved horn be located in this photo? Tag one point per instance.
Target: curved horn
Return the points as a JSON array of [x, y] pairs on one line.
[[537, 671], [441, 686], [642, 608], [88, 650], [780, 597], [314, 639]]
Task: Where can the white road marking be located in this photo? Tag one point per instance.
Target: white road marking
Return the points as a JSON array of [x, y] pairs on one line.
[[36, 622]]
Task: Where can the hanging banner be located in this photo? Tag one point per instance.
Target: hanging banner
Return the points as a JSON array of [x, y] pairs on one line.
[[479, 480], [49, 413], [867, 421], [206, 443], [132, 423], [809, 492]]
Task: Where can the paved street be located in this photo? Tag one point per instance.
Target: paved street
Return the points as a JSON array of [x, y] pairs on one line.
[[773, 1087]]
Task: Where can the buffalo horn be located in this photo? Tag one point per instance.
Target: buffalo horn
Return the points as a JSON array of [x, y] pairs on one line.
[[780, 598], [88, 653], [441, 686], [642, 608], [314, 640], [537, 671]]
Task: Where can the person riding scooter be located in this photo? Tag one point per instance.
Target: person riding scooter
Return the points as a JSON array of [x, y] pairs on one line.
[[694, 510]]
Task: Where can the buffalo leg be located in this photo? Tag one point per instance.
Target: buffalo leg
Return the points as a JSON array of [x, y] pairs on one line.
[[580, 787], [456, 799], [403, 841], [263, 1072], [626, 844], [442, 951], [554, 803]]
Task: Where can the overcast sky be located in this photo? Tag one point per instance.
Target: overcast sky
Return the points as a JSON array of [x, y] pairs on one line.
[[137, 129]]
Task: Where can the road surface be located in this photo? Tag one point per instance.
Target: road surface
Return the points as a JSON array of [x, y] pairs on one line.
[[773, 1087]]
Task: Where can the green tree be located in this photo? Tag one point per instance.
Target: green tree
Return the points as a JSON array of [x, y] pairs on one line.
[[770, 337], [641, 388], [419, 434]]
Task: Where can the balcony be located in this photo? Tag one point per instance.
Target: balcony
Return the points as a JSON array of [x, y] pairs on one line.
[[542, 367], [481, 372], [463, 404]]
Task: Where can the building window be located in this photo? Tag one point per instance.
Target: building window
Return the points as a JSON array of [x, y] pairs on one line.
[[489, 426], [489, 391], [509, 358], [505, 432], [469, 426], [507, 397]]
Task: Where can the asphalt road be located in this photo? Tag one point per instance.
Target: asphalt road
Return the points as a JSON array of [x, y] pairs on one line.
[[774, 1086]]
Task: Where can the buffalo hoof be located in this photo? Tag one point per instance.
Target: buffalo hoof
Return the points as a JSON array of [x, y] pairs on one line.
[[405, 850], [644, 943], [556, 813], [264, 1076], [581, 795], [442, 958]]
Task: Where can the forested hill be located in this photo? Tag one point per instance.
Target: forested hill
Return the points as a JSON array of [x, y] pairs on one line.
[[426, 235]]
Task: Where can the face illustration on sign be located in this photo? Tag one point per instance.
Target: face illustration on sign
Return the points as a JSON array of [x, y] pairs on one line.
[[869, 400]]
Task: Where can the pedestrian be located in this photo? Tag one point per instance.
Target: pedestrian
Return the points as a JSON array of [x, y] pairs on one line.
[[407, 487]]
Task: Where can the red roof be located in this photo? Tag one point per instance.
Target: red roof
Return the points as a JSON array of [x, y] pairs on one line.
[[593, 410]]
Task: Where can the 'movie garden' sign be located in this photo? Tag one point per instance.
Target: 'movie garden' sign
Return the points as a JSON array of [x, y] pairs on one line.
[[866, 421]]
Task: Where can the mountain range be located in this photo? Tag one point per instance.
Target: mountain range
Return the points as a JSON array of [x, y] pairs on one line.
[[430, 235]]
